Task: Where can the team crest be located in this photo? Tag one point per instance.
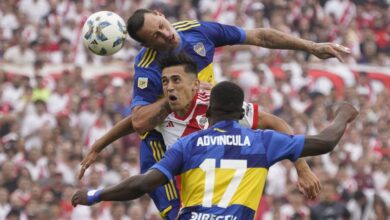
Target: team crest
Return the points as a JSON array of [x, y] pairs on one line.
[[203, 122], [142, 82], [200, 49]]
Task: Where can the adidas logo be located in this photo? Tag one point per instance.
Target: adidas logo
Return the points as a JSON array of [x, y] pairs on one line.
[[170, 125]]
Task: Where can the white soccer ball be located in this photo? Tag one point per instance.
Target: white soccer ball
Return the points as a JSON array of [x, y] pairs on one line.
[[104, 33]]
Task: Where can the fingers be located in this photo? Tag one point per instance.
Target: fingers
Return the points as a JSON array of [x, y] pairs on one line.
[[336, 54], [82, 171], [342, 49], [75, 199]]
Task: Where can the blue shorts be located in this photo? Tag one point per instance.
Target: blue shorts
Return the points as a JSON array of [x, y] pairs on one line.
[[166, 197]]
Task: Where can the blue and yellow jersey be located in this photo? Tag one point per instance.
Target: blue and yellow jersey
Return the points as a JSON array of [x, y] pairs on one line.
[[224, 168], [198, 40]]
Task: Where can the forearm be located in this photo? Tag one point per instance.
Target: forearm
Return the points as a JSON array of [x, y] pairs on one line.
[[274, 39], [269, 121], [134, 187], [147, 117], [120, 129], [327, 139], [129, 189]]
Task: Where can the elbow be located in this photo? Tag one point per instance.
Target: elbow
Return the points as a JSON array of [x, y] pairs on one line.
[[139, 126]]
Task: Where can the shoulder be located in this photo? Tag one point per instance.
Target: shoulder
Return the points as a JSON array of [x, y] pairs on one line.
[[185, 26], [145, 58]]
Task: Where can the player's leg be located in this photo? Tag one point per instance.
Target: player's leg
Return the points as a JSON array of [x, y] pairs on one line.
[[166, 197]]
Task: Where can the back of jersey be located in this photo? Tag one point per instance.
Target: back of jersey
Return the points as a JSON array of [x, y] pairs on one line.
[[224, 174]]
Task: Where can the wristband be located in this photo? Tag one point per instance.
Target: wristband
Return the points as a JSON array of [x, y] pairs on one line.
[[93, 196]]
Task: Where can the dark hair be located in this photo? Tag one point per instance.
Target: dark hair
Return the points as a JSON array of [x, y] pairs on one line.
[[226, 98], [179, 59], [136, 22]]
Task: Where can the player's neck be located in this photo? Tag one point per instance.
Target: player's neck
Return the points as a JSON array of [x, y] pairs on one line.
[[213, 120]]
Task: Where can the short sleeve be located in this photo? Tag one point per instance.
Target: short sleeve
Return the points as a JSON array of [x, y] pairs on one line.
[[146, 88], [251, 115], [280, 146], [222, 35], [170, 165]]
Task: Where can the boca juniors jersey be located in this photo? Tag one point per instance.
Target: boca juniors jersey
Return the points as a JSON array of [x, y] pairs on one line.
[[175, 126], [224, 168], [198, 40]]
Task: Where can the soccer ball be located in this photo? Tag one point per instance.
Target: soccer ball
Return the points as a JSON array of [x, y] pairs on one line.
[[104, 33]]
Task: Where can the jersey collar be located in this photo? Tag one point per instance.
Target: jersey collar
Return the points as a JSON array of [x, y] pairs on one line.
[[191, 109], [225, 124]]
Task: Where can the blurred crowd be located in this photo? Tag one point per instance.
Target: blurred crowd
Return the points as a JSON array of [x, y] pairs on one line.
[[48, 123]]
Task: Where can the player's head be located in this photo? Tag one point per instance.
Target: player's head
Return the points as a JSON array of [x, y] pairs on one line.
[[179, 80], [226, 102], [152, 30]]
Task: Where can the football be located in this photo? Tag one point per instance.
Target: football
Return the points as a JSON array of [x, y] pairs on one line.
[[104, 33]]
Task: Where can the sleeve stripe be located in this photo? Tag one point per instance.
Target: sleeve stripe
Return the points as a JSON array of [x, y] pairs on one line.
[[152, 59], [182, 22], [146, 54], [189, 27], [154, 151], [185, 24], [174, 191], [168, 191], [150, 55], [161, 150]]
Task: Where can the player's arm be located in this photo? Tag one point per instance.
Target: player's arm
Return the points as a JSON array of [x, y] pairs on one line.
[[122, 128], [148, 108], [147, 117], [129, 189], [274, 39], [308, 183], [136, 186], [328, 138]]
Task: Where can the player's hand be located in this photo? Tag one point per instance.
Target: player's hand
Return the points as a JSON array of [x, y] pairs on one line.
[[330, 50], [80, 198], [308, 183], [87, 161], [348, 111]]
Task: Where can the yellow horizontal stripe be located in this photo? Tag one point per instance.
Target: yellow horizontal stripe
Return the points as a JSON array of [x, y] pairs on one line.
[[187, 28], [247, 194], [146, 54]]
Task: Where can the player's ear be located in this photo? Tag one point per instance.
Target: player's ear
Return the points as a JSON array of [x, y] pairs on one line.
[[196, 85]]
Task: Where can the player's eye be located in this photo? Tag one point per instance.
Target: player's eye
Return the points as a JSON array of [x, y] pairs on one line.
[[160, 26]]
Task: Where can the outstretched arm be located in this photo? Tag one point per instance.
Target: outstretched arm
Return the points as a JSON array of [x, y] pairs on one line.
[[120, 129], [274, 39], [308, 183], [328, 138], [129, 189]]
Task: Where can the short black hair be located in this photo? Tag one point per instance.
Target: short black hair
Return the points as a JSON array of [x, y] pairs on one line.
[[226, 98], [177, 60], [136, 22]]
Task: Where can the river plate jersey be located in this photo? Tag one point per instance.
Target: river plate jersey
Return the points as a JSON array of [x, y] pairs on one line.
[[198, 40], [224, 168], [175, 126]]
